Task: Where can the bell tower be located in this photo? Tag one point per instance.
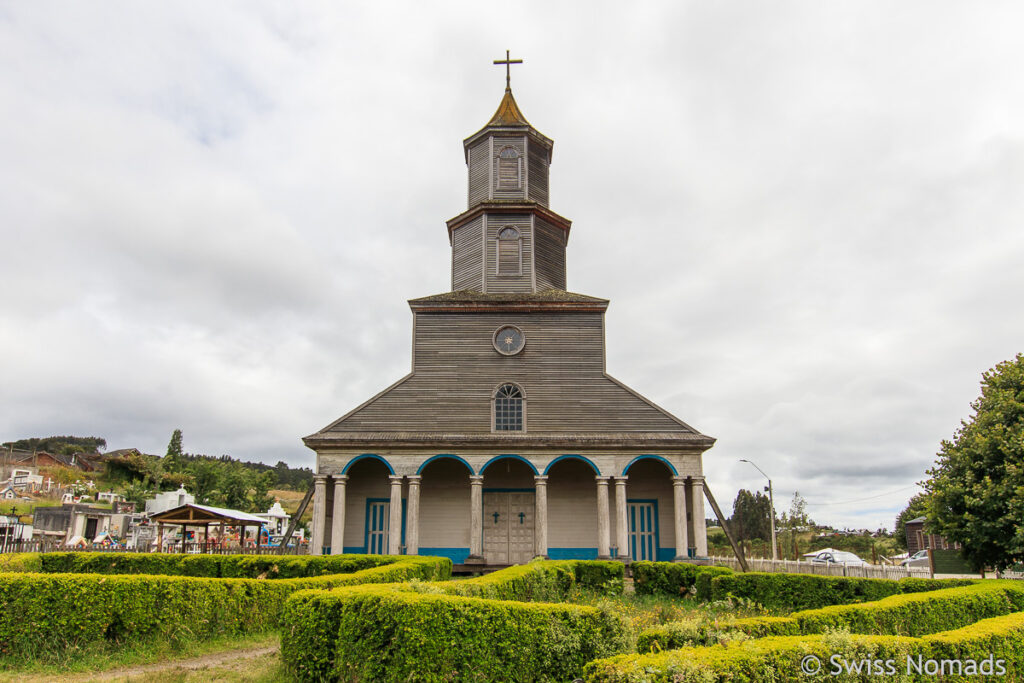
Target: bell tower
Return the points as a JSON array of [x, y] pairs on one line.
[[508, 240]]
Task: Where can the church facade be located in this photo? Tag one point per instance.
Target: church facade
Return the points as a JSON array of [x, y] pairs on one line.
[[508, 440]]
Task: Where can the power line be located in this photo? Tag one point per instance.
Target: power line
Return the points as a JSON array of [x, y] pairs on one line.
[[859, 500]]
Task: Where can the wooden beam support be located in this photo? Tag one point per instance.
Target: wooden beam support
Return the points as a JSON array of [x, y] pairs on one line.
[[725, 527], [295, 521]]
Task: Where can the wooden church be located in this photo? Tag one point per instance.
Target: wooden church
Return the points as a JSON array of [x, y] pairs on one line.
[[507, 440]]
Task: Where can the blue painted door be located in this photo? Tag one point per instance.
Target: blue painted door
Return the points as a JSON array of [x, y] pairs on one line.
[[642, 542], [377, 528]]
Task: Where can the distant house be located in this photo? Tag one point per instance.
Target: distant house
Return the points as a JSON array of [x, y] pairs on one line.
[[918, 539], [8, 493], [168, 500]]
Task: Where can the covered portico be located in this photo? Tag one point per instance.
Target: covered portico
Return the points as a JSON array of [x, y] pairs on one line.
[[203, 517], [495, 508]]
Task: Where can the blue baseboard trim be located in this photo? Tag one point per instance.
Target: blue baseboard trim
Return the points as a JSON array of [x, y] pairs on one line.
[[354, 550], [572, 553], [456, 555], [666, 554]]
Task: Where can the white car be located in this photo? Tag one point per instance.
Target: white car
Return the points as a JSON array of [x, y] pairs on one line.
[[918, 559], [838, 557]]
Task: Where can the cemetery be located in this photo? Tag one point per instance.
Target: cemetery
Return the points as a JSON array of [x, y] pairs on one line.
[[395, 618]]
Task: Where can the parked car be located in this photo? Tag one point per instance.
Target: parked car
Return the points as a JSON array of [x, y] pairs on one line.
[[838, 557], [918, 559]]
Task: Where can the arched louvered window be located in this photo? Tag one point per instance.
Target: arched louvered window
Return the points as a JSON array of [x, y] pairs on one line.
[[510, 252], [509, 409], [510, 169]]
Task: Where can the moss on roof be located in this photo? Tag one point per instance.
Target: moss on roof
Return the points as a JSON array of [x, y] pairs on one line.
[[472, 296]]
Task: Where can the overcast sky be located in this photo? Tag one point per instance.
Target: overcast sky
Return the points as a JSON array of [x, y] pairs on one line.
[[807, 216]]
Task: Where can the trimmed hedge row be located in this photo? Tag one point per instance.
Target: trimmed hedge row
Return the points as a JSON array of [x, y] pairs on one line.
[[478, 629], [995, 646], [672, 578], [906, 614], [54, 612], [209, 566], [774, 591]]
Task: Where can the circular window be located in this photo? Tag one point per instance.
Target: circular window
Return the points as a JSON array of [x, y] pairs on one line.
[[509, 340]]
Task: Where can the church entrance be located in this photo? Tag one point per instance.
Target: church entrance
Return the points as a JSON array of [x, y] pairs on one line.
[[508, 526]]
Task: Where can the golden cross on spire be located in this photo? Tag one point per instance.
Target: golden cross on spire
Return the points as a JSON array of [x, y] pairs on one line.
[[508, 68]]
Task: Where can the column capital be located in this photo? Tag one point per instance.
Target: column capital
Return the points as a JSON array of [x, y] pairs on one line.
[[697, 478], [340, 479], [679, 481], [620, 479], [320, 479], [476, 479], [602, 480], [540, 479], [414, 479], [395, 479]]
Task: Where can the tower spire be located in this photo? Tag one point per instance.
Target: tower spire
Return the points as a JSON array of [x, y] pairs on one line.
[[508, 62]]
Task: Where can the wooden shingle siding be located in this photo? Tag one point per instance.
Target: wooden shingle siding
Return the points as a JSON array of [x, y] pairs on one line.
[[467, 256], [366, 479], [519, 144], [509, 283], [479, 167], [537, 166], [650, 480], [572, 504], [549, 255], [560, 370]]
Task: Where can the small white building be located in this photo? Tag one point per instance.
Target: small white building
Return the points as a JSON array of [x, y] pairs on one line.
[[168, 500], [277, 519], [109, 496]]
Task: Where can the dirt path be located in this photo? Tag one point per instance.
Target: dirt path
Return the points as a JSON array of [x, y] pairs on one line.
[[194, 664]]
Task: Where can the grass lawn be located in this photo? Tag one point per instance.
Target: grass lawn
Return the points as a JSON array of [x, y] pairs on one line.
[[99, 663]]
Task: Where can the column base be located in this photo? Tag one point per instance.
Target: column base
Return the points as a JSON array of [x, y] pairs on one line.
[[474, 559], [605, 557]]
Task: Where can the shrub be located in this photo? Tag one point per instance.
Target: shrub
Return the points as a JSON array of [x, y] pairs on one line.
[[674, 578], [911, 614], [52, 612], [800, 591], [912, 584], [384, 634], [780, 657], [703, 583], [420, 631], [20, 562]]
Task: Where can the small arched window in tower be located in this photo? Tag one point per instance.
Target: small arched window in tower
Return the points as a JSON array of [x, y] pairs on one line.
[[510, 169], [509, 409], [510, 252]]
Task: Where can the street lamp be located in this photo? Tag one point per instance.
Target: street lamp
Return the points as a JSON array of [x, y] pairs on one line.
[[771, 502]]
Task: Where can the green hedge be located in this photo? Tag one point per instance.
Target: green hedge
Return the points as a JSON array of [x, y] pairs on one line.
[[477, 629], [911, 614], [209, 566], [674, 578], [41, 613], [800, 591], [779, 658]]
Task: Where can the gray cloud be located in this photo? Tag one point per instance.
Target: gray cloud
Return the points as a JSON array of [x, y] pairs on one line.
[[806, 216]]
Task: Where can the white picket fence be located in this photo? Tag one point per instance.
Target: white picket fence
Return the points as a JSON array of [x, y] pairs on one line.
[[870, 571]]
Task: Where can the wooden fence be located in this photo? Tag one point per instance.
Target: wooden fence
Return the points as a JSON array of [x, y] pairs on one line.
[[871, 571]]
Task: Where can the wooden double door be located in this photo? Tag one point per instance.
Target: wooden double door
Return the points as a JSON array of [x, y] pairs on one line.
[[508, 527]]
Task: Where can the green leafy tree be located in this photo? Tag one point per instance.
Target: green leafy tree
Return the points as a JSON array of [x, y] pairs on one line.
[[751, 516], [260, 498], [976, 487], [917, 506], [234, 491]]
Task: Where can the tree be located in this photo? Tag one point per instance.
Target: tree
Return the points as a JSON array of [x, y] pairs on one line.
[[751, 516], [976, 487], [174, 447], [917, 506]]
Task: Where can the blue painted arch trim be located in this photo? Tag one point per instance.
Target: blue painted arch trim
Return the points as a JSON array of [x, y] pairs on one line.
[[649, 456], [371, 456], [441, 456], [573, 457], [509, 455]]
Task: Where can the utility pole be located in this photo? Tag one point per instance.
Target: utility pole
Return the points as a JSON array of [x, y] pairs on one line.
[[771, 503]]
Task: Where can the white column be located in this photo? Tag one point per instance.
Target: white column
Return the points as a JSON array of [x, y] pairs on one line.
[[621, 529], [338, 517], [679, 498], [316, 544], [700, 530], [476, 517], [540, 483], [412, 522], [603, 520], [395, 516]]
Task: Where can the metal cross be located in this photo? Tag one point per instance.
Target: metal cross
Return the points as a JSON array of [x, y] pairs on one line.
[[508, 68], [522, 516], [496, 515]]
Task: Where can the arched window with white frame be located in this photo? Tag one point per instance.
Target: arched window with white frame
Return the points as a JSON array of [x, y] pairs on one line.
[[509, 409]]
